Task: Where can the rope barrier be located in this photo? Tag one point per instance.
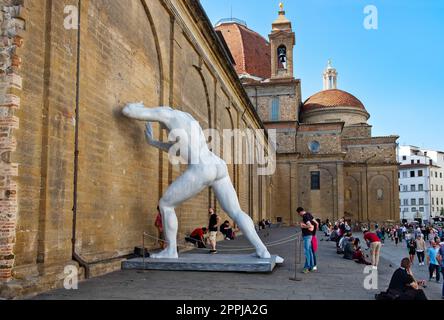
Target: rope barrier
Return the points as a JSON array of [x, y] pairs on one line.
[[232, 248], [269, 243], [248, 248]]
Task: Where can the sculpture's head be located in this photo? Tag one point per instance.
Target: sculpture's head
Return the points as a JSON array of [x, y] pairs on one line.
[[130, 107]]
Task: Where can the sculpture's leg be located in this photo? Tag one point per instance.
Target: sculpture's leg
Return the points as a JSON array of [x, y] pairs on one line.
[[170, 226], [227, 197], [184, 188]]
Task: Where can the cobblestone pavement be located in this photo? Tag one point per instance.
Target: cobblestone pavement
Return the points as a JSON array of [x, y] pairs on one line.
[[336, 279]]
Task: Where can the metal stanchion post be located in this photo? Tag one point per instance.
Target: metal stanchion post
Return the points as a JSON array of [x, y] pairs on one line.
[[143, 250], [297, 258]]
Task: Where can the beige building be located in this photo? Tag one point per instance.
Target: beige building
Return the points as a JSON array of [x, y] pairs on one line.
[[328, 161]]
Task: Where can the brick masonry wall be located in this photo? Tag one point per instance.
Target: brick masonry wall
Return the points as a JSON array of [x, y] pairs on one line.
[[11, 26], [289, 95], [129, 51], [357, 131], [380, 150], [330, 142]]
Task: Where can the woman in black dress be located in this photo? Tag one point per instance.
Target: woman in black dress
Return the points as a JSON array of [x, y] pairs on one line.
[[412, 250]]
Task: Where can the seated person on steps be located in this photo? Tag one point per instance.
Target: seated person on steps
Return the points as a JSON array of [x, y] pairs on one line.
[[197, 237], [403, 285], [227, 230]]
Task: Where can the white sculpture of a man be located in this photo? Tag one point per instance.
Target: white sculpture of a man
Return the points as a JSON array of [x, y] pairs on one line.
[[210, 171]]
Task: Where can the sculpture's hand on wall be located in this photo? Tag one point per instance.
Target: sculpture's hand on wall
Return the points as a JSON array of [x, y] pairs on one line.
[[132, 110]]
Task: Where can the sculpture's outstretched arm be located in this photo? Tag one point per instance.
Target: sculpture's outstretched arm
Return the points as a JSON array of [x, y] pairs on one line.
[[151, 141], [138, 111]]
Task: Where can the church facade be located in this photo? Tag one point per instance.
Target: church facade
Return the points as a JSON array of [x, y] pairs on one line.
[[328, 160]]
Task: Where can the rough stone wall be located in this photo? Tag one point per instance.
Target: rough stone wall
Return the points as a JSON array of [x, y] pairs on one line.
[[328, 136], [357, 131], [152, 51], [371, 183], [322, 203], [12, 24], [281, 192], [286, 140], [371, 193], [374, 150], [289, 95]]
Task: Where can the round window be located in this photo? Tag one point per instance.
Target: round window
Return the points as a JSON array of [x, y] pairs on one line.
[[314, 146]]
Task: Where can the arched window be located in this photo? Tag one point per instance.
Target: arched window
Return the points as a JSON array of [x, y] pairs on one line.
[[282, 57]]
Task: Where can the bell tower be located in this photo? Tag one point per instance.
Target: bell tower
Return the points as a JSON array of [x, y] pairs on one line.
[[282, 42]]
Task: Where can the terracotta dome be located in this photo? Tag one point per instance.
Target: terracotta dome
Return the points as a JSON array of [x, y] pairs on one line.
[[249, 49], [331, 99], [334, 105]]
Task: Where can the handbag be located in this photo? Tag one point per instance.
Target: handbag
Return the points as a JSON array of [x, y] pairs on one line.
[[314, 243]]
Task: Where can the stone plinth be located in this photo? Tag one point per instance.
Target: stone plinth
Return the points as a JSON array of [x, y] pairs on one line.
[[205, 262]]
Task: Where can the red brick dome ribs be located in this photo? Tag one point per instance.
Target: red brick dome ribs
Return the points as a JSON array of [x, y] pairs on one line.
[[331, 99], [249, 49]]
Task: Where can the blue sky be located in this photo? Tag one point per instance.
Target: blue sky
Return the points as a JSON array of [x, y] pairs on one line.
[[397, 71]]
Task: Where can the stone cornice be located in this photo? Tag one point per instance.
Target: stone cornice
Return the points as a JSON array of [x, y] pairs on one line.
[[357, 142], [335, 110]]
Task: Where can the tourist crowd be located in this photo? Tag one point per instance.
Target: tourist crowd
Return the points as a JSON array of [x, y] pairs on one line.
[[350, 246], [424, 243]]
